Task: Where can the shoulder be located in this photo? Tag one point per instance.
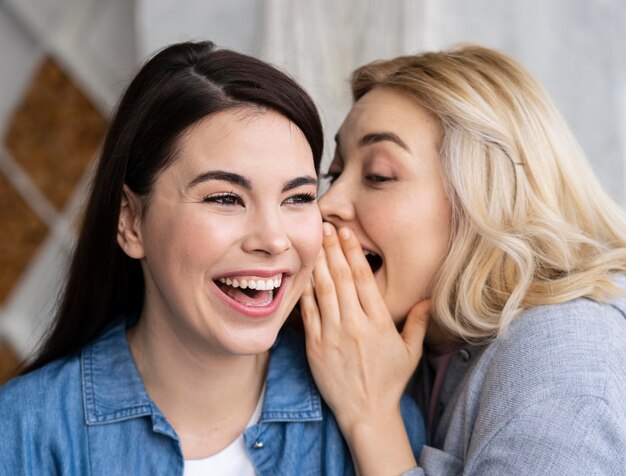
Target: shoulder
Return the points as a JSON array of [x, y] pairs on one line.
[[44, 387], [569, 349], [582, 327], [39, 408], [556, 379]]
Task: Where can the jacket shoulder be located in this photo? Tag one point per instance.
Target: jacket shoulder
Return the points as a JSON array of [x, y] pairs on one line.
[[43, 420], [33, 395], [578, 347]]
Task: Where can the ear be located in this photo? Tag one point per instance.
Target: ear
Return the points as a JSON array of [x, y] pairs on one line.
[[129, 224]]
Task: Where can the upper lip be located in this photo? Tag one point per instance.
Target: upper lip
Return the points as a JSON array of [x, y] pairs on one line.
[[260, 273]]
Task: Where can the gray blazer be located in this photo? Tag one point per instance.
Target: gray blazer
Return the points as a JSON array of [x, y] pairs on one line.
[[547, 398]]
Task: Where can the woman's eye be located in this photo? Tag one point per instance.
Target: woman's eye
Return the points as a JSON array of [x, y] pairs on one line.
[[224, 199], [377, 178], [301, 199]]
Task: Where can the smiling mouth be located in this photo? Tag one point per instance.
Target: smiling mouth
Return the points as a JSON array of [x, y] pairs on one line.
[[374, 260], [250, 291]]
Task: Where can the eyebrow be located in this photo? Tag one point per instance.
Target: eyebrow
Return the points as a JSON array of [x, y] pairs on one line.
[[298, 182], [373, 138], [223, 176], [243, 182]]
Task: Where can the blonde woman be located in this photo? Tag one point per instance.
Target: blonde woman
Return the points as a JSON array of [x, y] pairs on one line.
[[459, 193]]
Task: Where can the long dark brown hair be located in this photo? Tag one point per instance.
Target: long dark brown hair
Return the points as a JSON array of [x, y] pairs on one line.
[[180, 85]]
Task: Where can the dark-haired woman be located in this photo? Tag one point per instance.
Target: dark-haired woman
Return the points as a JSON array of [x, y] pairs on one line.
[[201, 230]]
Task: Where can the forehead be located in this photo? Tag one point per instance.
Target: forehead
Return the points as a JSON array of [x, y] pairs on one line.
[[245, 138], [387, 109]]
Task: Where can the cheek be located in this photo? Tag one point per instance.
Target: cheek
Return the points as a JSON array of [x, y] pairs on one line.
[[426, 216], [425, 242], [383, 219], [414, 241], [215, 232], [190, 239]]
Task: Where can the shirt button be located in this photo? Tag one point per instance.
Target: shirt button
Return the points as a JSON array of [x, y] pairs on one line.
[[258, 445], [465, 355]]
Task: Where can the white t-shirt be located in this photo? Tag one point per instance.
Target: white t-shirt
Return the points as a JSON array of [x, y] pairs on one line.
[[232, 460]]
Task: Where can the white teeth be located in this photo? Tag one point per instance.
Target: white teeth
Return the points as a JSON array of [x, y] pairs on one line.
[[260, 285]]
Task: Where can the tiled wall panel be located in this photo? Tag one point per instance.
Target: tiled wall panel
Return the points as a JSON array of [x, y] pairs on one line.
[[54, 133]]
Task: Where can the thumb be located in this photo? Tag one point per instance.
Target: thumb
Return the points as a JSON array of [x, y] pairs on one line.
[[414, 329]]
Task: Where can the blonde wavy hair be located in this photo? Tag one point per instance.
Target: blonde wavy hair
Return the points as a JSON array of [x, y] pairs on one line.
[[531, 225]]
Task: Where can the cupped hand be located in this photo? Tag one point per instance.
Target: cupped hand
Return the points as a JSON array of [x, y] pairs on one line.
[[360, 362]]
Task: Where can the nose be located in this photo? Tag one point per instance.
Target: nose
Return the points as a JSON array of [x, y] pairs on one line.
[[337, 204], [266, 234]]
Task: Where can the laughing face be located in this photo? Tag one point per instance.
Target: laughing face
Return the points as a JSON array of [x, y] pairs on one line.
[[387, 186], [230, 233]]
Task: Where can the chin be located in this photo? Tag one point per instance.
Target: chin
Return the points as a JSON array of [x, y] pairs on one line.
[[251, 345]]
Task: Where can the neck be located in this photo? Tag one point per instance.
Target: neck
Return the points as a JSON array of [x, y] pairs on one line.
[[207, 397], [436, 335]]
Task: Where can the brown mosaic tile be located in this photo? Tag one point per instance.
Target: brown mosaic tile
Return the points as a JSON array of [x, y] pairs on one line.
[[9, 363], [55, 132], [22, 232]]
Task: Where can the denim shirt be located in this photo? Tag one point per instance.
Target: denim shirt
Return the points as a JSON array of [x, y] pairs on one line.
[[91, 414]]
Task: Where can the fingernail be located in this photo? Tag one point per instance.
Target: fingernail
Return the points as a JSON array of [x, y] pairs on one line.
[[344, 233], [328, 229]]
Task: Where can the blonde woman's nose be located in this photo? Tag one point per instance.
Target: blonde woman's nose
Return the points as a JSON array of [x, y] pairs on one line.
[[337, 205]]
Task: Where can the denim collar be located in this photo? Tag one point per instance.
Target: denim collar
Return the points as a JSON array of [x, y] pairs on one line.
[[113, 390], [290, 391]]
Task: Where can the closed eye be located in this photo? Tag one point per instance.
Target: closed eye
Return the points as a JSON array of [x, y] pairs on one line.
[[377, 178]]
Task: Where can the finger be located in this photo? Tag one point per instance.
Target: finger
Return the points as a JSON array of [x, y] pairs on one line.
[[363, 278], [347, 296], [310, 313], [325, 294], [414, 330]]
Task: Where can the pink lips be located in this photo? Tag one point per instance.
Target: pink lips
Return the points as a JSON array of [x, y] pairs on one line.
[[255, 311]]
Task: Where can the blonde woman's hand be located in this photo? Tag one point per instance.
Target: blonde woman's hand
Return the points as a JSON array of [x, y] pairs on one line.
[[361, 363]]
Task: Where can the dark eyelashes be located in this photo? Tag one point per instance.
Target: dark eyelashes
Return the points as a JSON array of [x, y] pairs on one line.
[[229, 198], [232, 199], [302, 198], [378, 178], [372, 178]]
